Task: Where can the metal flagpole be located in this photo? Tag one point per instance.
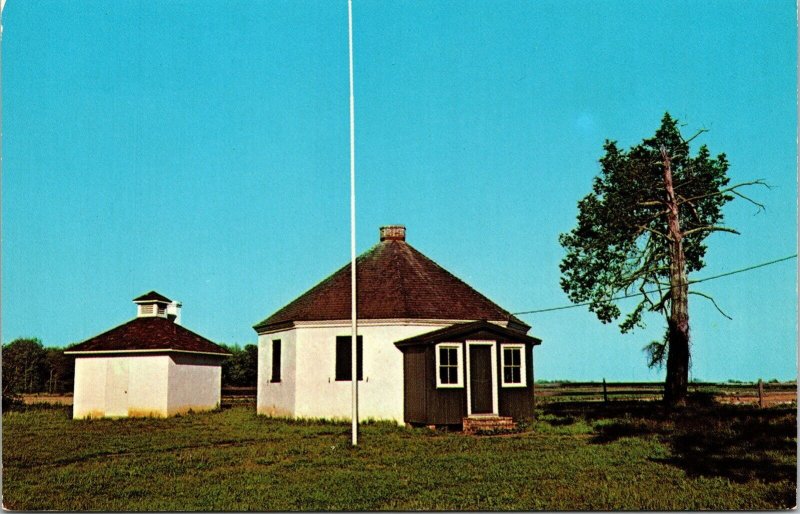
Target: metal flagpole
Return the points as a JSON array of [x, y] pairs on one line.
[[353, 311]]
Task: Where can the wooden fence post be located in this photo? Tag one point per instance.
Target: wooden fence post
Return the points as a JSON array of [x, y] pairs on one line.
[[760, 393], [605, 392]]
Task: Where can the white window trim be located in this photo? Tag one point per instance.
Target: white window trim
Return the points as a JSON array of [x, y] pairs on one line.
[[460, 370], [495, 389], [523, 370]]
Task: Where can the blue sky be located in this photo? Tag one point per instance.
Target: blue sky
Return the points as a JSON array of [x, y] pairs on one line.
[[201, 149]]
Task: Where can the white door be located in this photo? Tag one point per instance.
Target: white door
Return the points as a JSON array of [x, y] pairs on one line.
[[117, 387]]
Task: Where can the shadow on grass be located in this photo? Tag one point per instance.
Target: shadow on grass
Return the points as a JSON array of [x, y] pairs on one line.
[[740, 443], [563, 421]]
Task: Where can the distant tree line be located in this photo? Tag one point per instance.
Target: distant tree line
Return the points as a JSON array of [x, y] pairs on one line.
[[241, 368], [30, 367]]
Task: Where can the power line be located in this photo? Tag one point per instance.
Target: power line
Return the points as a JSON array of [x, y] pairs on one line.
[[734, 272], [743, 269]]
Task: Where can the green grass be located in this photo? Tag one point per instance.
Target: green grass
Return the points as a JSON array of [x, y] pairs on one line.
[[629, 455]]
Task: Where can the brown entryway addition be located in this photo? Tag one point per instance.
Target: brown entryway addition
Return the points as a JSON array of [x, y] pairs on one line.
[[477, 376]]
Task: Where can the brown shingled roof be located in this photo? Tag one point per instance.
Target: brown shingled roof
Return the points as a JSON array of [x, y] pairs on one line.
[[152, 296], [395, 281], [148, 333]]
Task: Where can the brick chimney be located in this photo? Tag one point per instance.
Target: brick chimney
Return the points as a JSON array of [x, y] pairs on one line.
[[393, 233]]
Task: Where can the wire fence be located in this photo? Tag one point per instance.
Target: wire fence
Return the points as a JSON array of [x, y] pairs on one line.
[[760, 393]]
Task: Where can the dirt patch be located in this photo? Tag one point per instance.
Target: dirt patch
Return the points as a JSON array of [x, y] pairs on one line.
[[29, 399], [770, 398]]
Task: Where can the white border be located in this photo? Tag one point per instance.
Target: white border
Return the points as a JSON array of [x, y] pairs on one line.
[[459, 369], [495, 399], [523, 370]]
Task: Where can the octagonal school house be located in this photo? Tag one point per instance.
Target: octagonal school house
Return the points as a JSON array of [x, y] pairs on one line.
[[149, 366], [457, 356]]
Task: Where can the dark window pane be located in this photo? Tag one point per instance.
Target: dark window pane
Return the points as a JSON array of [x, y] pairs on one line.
[[442, 356], [507, 376], [443, 375], [343, 362], [453, 378], [511, 356], [515, 376], [360, 363], [276, 360], [343, 358]]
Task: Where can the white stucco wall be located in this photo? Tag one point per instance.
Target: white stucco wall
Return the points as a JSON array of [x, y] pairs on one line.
[[145, 385], [89, 399], [195, 383], [120, 386], [313, 391], [276, 398]]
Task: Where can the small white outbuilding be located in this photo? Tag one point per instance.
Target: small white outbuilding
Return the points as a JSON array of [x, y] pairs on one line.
[[149, 366]]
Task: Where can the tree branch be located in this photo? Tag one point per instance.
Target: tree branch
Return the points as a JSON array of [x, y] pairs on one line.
[[644, 294], [710, 228], [694, 136], [658, 215], [642, 228], [731, 189], [759, 205], [691, 206], [645, 271], [698, 293], [660, 305]]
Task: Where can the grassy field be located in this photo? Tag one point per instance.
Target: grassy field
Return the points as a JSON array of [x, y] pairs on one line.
[[622, 455]]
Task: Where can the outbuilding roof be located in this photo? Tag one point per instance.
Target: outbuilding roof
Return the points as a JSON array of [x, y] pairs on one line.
[[152, 296], [148, 334], [394, 281], [461, 330]]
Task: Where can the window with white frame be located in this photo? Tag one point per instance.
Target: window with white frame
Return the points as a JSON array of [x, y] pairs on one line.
[[449, 371], [512, 361]]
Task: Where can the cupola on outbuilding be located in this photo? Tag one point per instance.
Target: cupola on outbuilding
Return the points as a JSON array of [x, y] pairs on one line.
[[148, 366]]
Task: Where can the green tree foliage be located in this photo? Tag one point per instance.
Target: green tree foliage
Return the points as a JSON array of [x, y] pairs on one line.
[[60, 372], [241, 368], [29, 367], [24, 368], [642, 230]]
